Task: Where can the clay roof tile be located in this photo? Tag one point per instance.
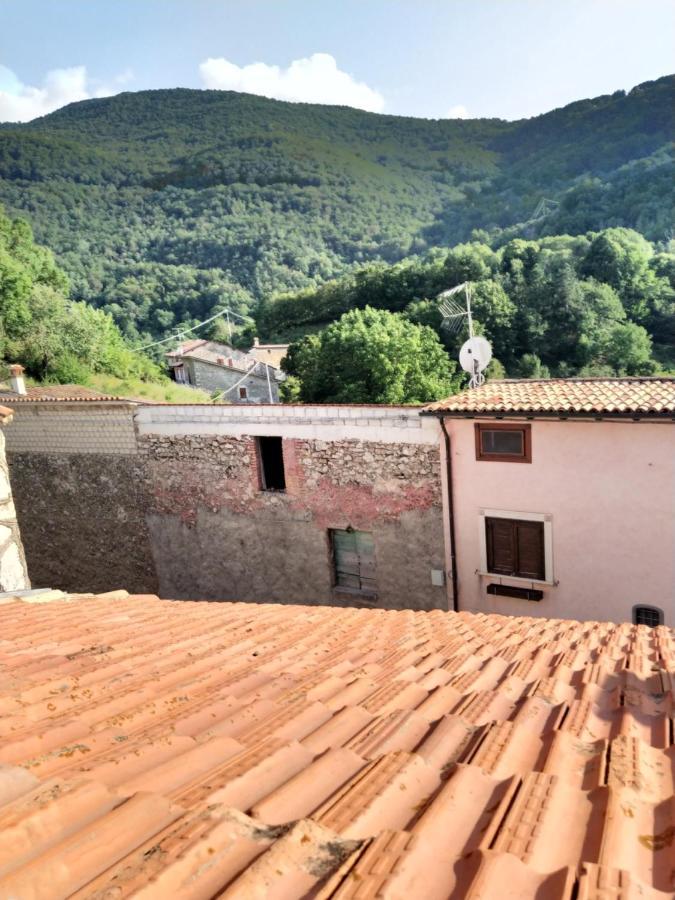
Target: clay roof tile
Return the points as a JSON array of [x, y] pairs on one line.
[[157, 748]]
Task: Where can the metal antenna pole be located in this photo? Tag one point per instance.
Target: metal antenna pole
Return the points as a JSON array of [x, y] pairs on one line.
[[269, 386], [468, 307]]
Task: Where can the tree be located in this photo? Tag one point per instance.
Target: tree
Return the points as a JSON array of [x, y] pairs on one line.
[[371, 356]]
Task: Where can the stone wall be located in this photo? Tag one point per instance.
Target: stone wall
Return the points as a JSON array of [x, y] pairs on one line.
[[217, 535], [82, 518], [168, 499], [210, 377], [13, 573]]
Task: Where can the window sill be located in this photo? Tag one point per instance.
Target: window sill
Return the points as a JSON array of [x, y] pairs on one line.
[[496, 576], [366, 596]]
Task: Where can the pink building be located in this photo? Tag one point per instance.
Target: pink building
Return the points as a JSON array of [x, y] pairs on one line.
[[559, 498]]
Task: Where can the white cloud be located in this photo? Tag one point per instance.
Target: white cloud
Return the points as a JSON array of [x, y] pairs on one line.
[[458, 112], [316, 79], [21, 102]]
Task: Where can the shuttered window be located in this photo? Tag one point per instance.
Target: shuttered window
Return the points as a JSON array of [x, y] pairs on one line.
[[516, 548], [354, 560]]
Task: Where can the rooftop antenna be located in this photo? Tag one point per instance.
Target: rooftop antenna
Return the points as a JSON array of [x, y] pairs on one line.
[[476, 353]]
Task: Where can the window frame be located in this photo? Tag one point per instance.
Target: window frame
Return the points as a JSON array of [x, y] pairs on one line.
[[368, 592], [524, 427], [262, 480], [518, 516], [243, 393]]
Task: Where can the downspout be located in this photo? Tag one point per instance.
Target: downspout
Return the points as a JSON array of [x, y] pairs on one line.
[[451, 517]]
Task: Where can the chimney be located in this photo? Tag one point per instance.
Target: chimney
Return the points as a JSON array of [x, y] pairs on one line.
[[16, 379]]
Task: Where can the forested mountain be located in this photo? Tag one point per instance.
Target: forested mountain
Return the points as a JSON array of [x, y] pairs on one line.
[[163, 205]]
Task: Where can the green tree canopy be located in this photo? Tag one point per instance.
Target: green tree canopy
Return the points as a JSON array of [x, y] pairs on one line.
[[369, 356], [54, 338]]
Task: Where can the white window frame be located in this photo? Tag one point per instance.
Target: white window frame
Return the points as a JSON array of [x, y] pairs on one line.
[[526, 517]]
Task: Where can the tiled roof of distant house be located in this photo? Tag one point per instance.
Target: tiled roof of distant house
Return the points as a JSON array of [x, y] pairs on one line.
[[62, 392], [183, 749], [590, 397]]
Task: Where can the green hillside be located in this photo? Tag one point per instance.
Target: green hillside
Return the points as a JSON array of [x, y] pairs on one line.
[[162, 205]]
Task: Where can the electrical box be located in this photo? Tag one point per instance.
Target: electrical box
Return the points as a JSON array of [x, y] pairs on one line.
[[437, 577]]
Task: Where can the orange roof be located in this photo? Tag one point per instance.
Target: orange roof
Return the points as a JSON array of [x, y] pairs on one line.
[[622, 397], [184, 749], [57, 392], [5, 415]]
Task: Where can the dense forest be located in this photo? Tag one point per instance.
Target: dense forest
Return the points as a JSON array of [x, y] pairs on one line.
[[163, 206], [55, 338], [590, 304]]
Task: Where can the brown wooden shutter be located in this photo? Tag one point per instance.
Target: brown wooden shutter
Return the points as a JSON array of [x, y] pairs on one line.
[[501, 546], [530, 545]]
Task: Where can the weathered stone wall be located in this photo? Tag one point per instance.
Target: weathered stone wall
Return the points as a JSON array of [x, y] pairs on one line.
[[82, 518], [217, 535], [217, 378], [13, 573]]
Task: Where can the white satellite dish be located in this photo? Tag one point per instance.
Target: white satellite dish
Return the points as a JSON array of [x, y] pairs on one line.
[[476, 353], [474, 358]]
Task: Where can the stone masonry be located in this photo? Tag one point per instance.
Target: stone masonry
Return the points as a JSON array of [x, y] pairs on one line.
[[13, 572]]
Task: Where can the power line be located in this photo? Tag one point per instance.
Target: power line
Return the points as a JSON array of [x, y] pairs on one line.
[[184, 331]]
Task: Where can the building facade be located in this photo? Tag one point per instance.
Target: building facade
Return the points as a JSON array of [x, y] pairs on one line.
[[562, 499], [219, 368], [497, 500]]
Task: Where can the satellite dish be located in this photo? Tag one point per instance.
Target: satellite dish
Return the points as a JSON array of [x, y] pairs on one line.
[[474, 358]]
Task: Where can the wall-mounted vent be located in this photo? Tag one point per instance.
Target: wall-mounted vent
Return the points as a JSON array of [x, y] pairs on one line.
[[508, 590]]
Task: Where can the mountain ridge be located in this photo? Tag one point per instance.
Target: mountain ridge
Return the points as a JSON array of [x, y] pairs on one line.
[[190, 196]]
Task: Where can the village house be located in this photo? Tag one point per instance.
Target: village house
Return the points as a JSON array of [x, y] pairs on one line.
[[561, 497], [214, 367], [269, 353]]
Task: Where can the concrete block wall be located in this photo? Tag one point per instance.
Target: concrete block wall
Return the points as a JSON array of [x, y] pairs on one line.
[[72, 428]]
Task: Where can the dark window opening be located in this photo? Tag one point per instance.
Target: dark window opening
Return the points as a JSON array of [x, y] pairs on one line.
[[243, 393], [647, 615], [354, 560], [504, 443], [271, 459], [515, 548]]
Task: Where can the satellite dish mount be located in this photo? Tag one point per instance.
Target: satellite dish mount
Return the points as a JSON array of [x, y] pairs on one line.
[[475, 353]]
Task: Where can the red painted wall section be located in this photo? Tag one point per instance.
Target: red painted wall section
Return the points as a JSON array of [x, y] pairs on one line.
[[336, 483]]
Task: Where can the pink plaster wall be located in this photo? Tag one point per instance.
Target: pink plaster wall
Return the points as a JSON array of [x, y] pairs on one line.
[[610, 490]]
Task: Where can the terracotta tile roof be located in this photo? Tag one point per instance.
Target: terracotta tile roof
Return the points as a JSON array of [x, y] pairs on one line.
[[60, 392], [623, 397], [180, 749]]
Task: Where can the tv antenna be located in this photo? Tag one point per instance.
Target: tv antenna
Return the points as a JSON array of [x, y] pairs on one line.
[[476, 353]]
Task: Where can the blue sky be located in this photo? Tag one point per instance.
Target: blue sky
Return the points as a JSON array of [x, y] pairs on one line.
[[431, 58]]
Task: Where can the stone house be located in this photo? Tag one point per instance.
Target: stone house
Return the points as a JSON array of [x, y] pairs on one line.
[[269, 353], [211, 366]]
